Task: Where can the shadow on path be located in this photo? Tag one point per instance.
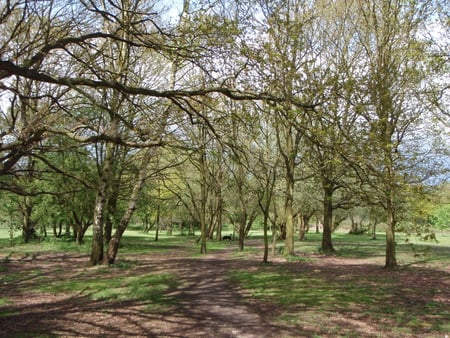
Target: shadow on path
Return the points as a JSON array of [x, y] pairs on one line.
[[206, 303], [211, 306]]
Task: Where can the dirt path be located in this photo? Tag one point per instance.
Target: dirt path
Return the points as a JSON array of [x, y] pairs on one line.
[[203, 303], [213, 307], [208, 305]]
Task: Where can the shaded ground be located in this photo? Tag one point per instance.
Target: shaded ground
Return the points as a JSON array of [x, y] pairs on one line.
[[205, 303]]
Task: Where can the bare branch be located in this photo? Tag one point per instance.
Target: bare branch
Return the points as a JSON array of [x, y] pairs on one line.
[[8, 68]]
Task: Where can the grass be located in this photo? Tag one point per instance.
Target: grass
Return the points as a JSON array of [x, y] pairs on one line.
[[310, 293], [148, 288], [312, 297], [307, 293]]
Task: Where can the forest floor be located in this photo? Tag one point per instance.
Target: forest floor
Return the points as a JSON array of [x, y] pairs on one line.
[[198, 298]]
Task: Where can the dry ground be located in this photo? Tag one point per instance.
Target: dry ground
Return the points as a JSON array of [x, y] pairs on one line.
[[208, 304]]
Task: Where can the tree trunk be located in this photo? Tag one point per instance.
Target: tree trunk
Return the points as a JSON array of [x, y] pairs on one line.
[[266, 238], [203, 194], [157, 231], [115, 240], [112, 204], [303, 225], [242, 233], [212, 227], [84, 225], [101, 199], [391, 260], [97, 228], [264, 202], [274, 241], [289, 158], [250, 220], [327, 244], [79, 238], [27, 225], [289, 214], [219, 206]]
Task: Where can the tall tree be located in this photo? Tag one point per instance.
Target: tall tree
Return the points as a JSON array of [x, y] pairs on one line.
[[389, 33], [328, 127], [283, 67]]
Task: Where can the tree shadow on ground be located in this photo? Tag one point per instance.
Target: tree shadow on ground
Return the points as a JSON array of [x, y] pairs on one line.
[[204, 302]]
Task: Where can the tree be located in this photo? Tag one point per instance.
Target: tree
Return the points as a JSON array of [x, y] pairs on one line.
[[283, 64], [266, 166], [32, 105], [388, 32]]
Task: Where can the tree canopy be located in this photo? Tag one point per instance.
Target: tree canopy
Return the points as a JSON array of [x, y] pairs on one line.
[[229, 110]]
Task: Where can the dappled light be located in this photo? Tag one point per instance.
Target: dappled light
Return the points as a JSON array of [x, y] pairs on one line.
[[171, 290]]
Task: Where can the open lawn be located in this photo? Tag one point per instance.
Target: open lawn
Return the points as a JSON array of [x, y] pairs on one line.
[[166, 289]]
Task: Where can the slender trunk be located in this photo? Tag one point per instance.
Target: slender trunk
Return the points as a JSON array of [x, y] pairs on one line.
[[391, 260], [55, 232], [115, 240], [265, 209], [327, 244], [289, 214], [249, 223], [100, 205], [27, 225], [202, 216], [157, 221], [112, 204], [274, 242], [302, 227], [97, 230], [212, 225], [218, 211], [266, 238], [219, 223], [242, 233], [203, 237], [203, 191], [60, 226], [289, 197]]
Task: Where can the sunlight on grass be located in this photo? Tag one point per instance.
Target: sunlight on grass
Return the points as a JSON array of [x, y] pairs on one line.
[[143, 288], [314, 293], [299, 284], [47, 245]]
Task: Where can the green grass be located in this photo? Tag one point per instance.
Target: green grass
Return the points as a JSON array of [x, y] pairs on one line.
[[142, 288], [49, 244], [315, 297], [306, 290], [308, 294]]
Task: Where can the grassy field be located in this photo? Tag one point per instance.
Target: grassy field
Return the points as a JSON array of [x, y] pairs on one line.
[[351, 292]]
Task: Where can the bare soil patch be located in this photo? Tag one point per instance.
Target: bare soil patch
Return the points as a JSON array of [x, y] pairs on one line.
[[208, 304]]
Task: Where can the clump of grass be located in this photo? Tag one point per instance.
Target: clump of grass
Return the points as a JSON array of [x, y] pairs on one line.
[[299, 258]]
